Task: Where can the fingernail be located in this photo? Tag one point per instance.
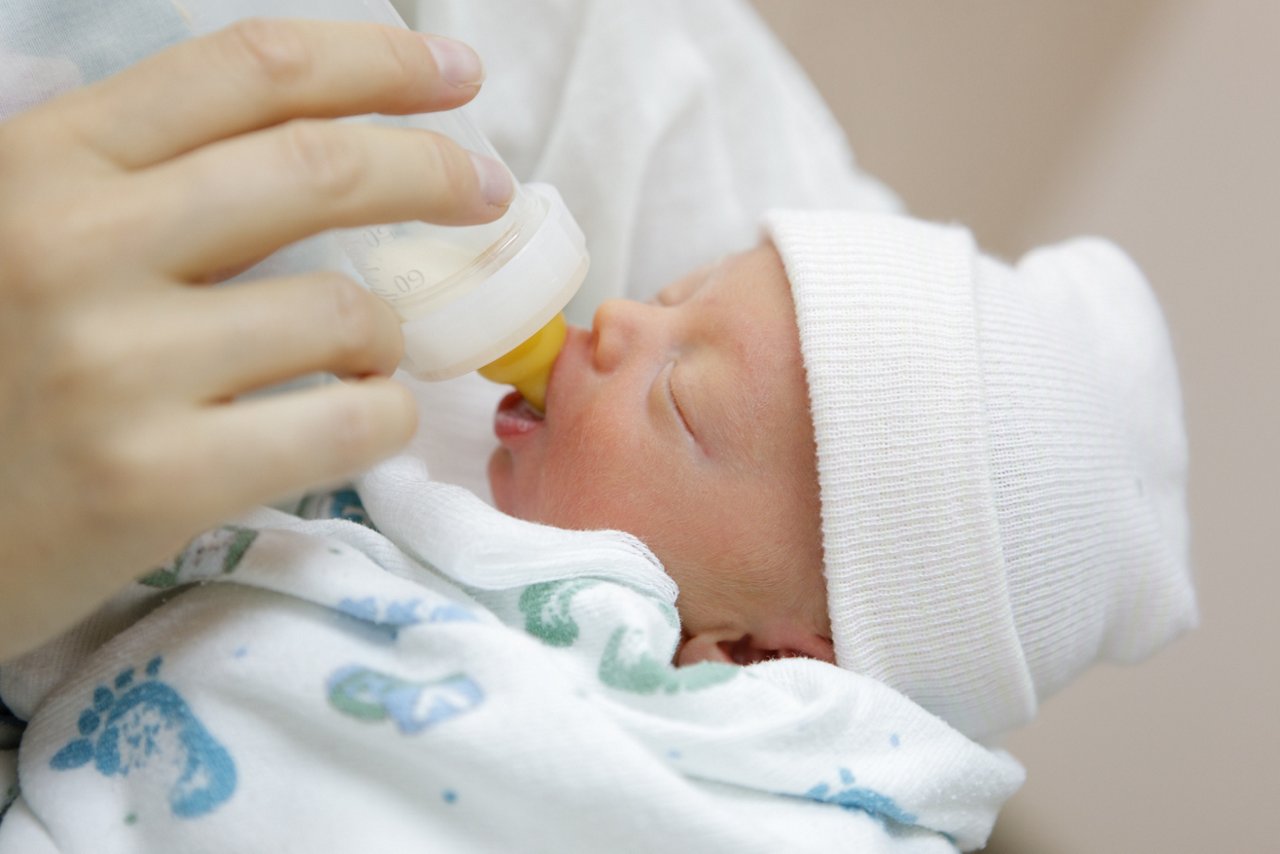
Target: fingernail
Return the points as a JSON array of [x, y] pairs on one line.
[[457, 63], [495, 181]]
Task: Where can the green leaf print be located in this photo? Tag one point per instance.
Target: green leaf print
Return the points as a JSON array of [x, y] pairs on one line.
[[546, 609], [213, 552]]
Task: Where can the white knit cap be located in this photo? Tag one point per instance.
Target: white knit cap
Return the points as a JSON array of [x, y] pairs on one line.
[[1001, 458]]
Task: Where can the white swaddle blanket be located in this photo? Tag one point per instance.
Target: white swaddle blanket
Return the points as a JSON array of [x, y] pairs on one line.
[[465, 681]]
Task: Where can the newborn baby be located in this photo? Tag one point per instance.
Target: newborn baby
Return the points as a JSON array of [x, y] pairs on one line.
[[685, 422], [995, 497]]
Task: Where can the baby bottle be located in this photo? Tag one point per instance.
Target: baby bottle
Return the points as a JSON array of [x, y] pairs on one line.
[[481, 297]]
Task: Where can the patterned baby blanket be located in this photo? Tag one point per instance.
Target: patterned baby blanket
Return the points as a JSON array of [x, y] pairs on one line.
[[457, 680]]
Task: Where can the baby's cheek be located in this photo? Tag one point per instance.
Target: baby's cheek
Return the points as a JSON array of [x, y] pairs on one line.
[[583, 495], [600, 479]]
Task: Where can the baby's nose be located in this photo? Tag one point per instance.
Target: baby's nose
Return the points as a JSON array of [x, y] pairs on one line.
[[617, 325]]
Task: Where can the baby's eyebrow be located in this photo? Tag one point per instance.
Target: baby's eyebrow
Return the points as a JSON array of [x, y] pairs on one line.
[[682, 289], [673, 294]]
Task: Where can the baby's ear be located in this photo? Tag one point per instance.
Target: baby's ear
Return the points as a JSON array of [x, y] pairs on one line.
[[707, 646], [733, 647]]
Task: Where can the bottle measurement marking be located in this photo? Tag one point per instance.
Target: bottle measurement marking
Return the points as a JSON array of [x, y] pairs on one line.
[[398, 285]]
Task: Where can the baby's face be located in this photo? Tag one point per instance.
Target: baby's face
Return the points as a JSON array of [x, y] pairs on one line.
[[685, 422]]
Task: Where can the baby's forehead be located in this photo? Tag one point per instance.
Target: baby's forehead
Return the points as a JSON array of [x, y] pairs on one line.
[[750, 295]]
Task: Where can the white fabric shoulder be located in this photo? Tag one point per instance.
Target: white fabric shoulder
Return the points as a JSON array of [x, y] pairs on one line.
[[668, 126]]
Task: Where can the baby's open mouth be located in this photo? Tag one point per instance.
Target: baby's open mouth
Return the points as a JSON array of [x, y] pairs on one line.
[[516, 417]]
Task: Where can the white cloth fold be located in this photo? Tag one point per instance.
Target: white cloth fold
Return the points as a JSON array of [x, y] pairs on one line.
[[449, 528]]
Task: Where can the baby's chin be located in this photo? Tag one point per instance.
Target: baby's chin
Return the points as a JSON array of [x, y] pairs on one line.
[[510, 494], [500, 474]]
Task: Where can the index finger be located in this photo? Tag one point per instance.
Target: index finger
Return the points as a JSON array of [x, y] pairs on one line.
[[261, 72]]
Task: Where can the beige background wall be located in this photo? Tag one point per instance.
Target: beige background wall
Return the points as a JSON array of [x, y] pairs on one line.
[[1156, 123]]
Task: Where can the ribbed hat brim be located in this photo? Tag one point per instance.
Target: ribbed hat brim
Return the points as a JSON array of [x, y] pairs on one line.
[[915, 576]]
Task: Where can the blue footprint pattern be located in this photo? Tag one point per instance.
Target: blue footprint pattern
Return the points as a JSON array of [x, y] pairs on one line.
[[147, 724]]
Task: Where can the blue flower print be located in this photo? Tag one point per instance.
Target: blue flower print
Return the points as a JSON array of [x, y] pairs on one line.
[[370, 695]]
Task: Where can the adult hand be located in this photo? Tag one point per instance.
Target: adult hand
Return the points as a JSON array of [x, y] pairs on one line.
[[120, 434]]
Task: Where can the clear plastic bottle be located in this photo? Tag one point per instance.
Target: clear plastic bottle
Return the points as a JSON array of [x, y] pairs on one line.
[[467, 296]]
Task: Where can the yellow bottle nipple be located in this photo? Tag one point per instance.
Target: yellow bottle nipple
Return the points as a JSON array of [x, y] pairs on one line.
[[528, 367]]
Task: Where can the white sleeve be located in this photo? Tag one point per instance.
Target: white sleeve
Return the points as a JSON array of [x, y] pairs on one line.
[[668, 126]]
